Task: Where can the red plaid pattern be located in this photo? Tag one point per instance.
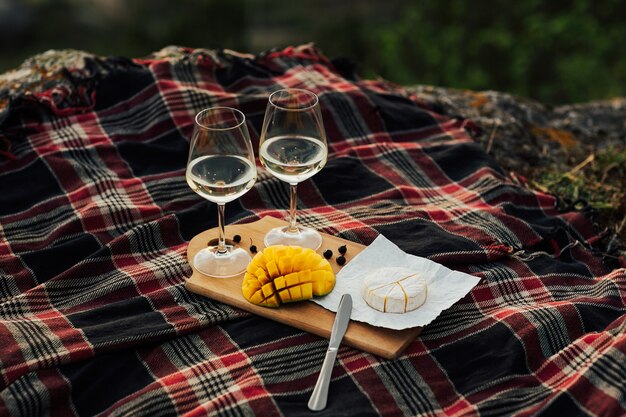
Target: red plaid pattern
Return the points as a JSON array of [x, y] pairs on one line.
[[95, 216]]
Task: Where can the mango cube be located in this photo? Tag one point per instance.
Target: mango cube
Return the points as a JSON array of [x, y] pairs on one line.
[[285, 274]]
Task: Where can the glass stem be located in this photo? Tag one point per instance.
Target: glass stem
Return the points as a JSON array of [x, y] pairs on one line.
[[221, 242], [292, 208]]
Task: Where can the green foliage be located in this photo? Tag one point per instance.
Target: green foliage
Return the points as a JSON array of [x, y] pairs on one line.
[[557, 51]]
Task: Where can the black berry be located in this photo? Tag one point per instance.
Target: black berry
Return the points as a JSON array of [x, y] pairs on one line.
[[237, 238], [343, 249], [253, 248], [341, 260], [328, 254]]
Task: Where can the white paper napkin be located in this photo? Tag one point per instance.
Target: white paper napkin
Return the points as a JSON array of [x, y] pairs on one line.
[[445, 286]]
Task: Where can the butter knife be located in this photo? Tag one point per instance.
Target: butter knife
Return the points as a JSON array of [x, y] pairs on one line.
[[319, 397]]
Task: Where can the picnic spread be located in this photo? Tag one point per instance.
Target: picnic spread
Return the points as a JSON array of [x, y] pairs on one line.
[[96, 218]]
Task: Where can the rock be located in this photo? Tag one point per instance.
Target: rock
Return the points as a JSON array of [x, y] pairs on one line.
[[525, 135]]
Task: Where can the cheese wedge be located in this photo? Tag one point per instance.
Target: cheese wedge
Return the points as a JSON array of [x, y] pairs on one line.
[[394, 290]]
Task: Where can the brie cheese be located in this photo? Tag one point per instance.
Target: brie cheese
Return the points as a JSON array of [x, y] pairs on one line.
[[394, 290]]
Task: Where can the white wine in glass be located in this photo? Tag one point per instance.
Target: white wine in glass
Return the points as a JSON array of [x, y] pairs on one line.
[[221, 168], [221, 178], [293, 148], [293, 159]]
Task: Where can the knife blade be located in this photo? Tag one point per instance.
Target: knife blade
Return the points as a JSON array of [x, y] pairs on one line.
[[319, 397]]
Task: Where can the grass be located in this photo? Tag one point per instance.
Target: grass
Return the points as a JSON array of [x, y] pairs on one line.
[[599, 180]]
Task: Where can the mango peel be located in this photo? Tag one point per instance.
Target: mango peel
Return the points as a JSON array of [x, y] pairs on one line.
[[285, 274]]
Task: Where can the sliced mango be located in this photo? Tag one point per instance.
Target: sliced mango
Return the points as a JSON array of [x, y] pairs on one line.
[[285, 265], [285, 274], [299, 261], [307, 290], [262, 276], [272, 268]]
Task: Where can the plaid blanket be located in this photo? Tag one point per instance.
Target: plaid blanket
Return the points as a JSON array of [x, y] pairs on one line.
[[95, 216]]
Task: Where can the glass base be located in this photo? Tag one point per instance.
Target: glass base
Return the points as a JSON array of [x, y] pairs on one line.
[[305, 237], [221, 265]]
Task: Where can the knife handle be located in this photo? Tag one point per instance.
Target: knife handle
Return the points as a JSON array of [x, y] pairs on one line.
[[319, 397]]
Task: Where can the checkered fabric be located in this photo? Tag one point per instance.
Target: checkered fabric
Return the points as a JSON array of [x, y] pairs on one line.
[[95, 216]]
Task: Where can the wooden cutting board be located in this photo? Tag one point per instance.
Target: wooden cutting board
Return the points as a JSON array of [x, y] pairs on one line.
[[306, 316]]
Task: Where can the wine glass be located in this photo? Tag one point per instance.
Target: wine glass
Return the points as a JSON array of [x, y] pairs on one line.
[[221, 168], [293, 148]]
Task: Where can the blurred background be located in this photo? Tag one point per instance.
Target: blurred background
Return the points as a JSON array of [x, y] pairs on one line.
[[556, 51]]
